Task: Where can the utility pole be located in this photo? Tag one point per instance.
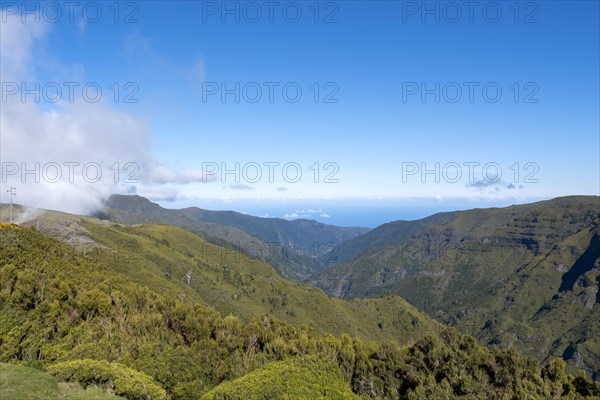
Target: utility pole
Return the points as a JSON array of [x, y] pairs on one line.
[[11, 193]]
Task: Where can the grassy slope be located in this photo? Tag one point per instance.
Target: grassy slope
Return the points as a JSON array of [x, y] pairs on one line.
[[161, 257], [18, 382], [296, 248]]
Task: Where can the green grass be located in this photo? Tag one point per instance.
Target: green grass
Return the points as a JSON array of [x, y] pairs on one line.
[[18, 382]]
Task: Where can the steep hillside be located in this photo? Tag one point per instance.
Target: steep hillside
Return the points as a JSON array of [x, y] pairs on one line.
[[297, 248], [389, 234], [117, 325], [524, 276], [176, 262]]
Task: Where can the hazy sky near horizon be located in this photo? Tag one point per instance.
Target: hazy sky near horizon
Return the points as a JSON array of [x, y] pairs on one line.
[[360, 112]]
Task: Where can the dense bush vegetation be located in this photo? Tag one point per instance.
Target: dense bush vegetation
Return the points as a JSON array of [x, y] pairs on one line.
[[116, 377], [525, 276], [295, 378], [61, 310]]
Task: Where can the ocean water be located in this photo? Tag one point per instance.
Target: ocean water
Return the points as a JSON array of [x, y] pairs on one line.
[[364, 213]]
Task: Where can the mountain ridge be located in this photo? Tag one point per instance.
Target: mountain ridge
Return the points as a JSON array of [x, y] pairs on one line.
[[525, 275], [296, 248], [507, 276]]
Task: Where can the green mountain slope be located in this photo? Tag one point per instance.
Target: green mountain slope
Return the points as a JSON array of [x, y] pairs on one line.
[[524, 276], [91, 321], [389, 234], [177, 262], [296, 248]]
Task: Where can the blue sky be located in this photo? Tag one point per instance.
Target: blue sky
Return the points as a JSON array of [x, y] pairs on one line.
[[369, 134]]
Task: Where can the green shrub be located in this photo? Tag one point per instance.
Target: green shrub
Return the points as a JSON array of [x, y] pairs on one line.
[[298, 378], [123, 380]]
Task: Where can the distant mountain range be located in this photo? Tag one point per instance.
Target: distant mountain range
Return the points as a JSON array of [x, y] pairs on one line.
[[525, 276], [297, 249]]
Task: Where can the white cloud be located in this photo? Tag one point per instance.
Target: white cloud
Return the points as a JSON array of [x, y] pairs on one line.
[[309, 213], [239, 186], [17, 40], [75, 154], [494, 190]]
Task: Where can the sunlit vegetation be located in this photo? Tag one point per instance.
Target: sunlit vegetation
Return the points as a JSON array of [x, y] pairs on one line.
[[525, 276], [70, 314]]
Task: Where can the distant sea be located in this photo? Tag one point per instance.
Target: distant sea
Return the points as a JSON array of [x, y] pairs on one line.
[[364, 213]]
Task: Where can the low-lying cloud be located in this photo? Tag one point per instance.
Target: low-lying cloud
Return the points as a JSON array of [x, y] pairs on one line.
[[310, 213], [70, 156], [498, 185]]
